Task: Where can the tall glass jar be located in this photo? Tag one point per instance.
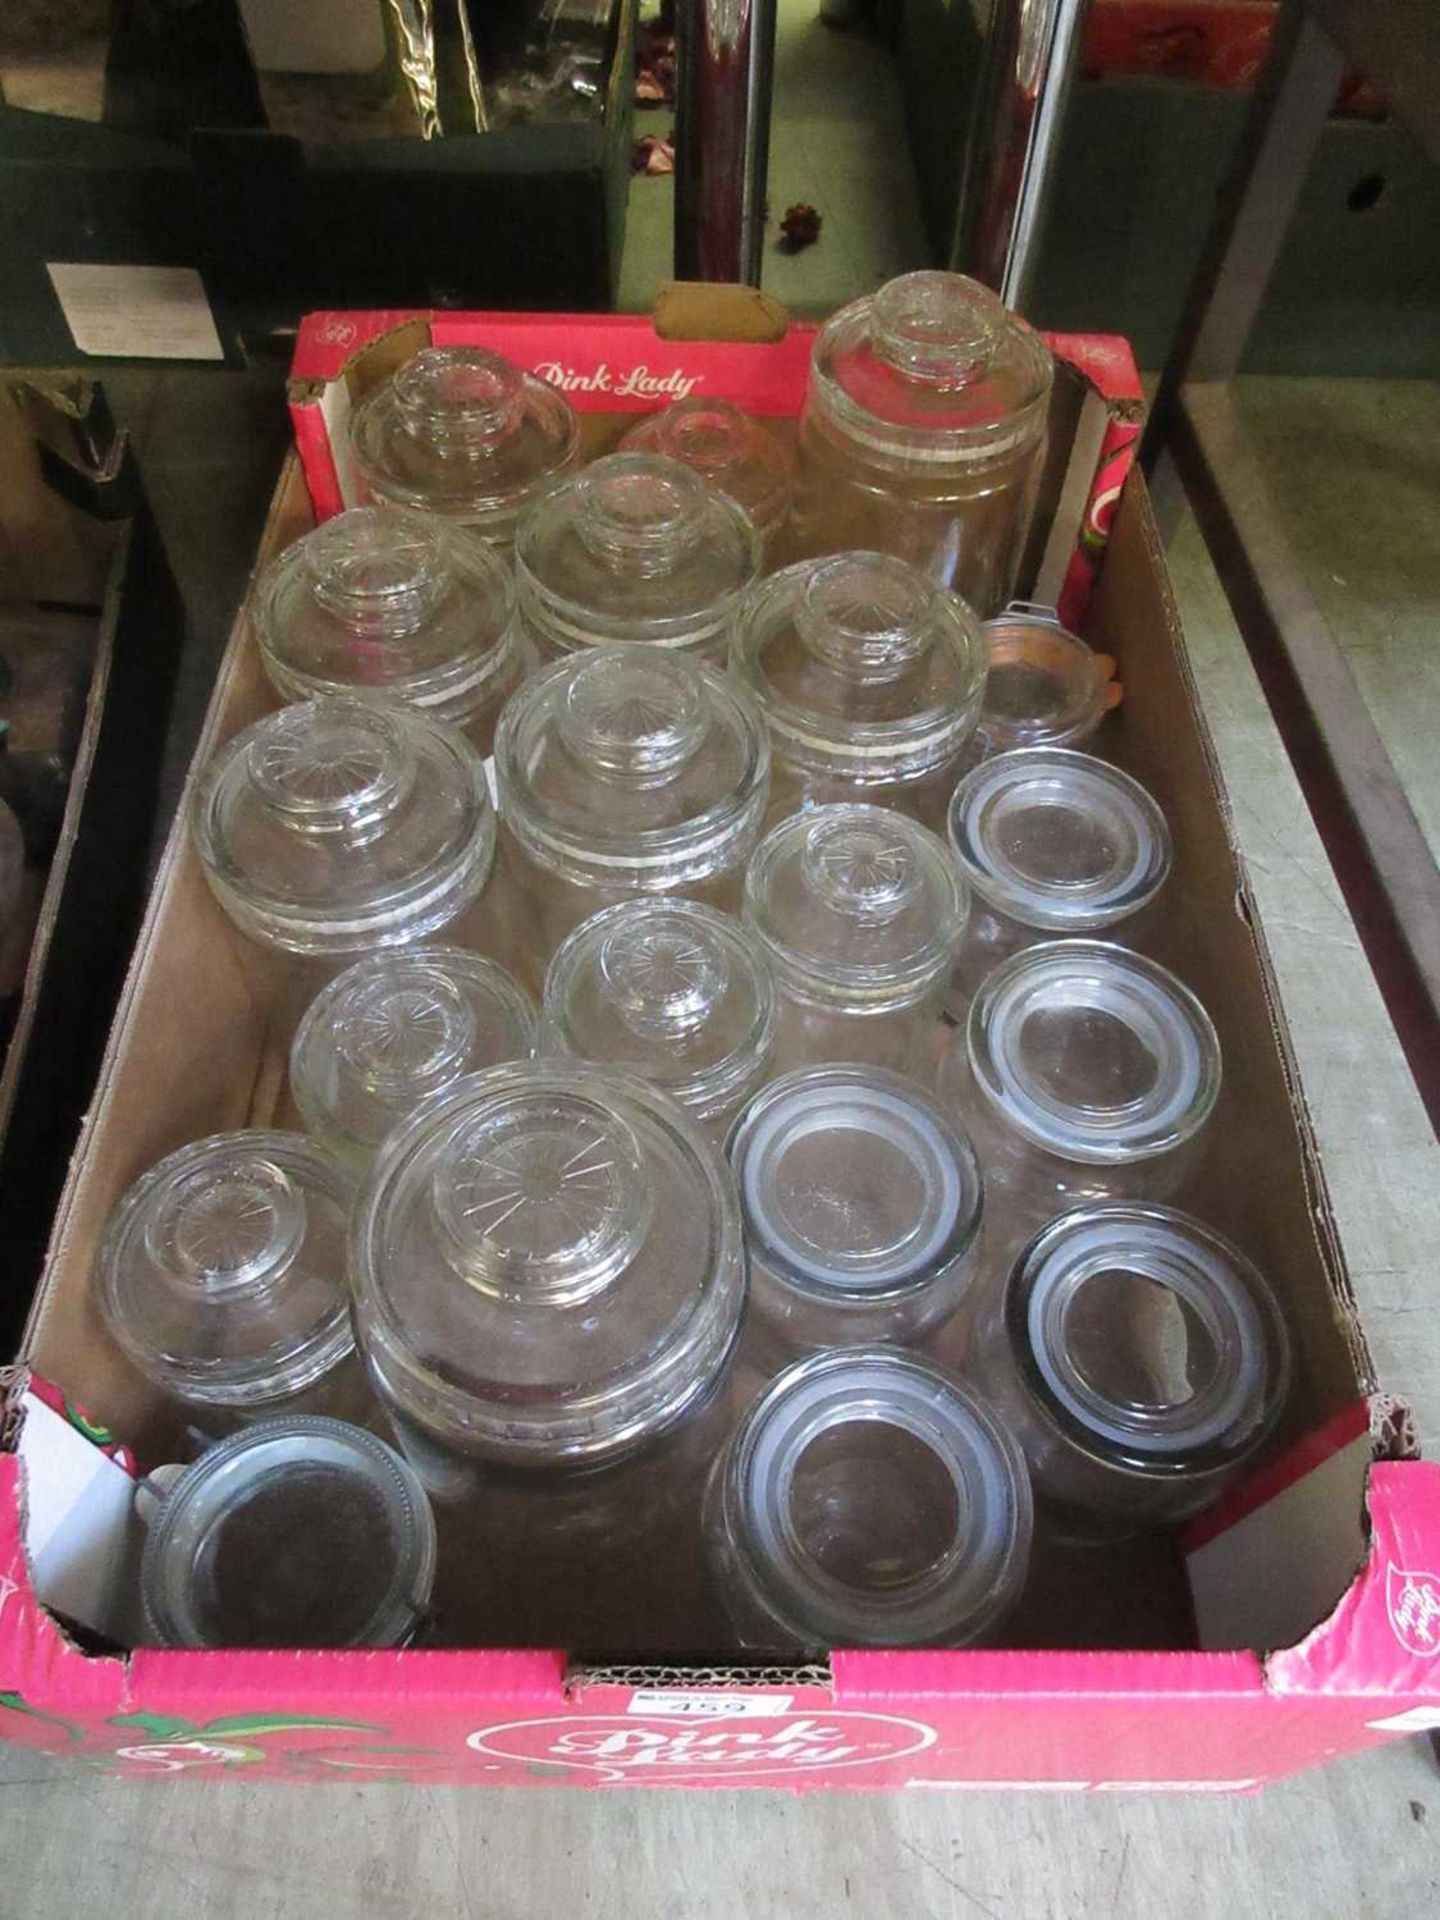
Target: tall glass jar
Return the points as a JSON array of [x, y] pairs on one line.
[[387, 601], [1139, 1358], [860, 910], [672, 991], [624, 771], [869, 676], [921, 433], [634, 548], [1044, 687], [730, 452], [868, 1499], [1051, 842], [461, 432]]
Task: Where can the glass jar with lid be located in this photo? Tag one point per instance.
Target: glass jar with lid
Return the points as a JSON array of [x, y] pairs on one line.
[[1051, 842], [394, 1029], [731, 453], [869, 676], [1044, 687], [462, 432], [868, 1499], [221, 1275], [338, 825], [297, 1532], [860, 910], [382, 600], [625, 771], [634, 548], [861, 1200], [548, 1270], [921, 433], [672, 991], [1139, 1358]]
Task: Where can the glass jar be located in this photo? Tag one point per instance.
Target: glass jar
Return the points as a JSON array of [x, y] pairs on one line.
[[461, 432], [1044, 687], [669, 990], [921, 433], [1084, 1073], [731, 453], [299, 1532], [386, 601], [861, 1200], [868, 1499], [1138, 1357], [222, 1275], [869, 677], [548, 1269], [1051, 842], [635, 548], [339, 825], [860, 910], [393, 1029], [623, 771]]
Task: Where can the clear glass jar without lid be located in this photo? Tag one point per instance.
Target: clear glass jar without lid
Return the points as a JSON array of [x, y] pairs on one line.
[[386, 601], [730, 452], [548, 1267], [675, 992], [461, 432], [869, 676], [633, 549], [1044, 687], [921, 432], [868, 1499], [339, 825]]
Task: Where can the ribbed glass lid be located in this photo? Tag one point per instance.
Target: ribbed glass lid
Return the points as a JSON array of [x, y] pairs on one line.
[[730, 452], [1044, 687]]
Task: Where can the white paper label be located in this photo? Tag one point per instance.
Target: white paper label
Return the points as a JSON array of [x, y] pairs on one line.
[[673, 1704], [137, 313]]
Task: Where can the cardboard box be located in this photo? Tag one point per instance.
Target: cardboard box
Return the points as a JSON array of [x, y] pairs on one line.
[[1300, 1619]]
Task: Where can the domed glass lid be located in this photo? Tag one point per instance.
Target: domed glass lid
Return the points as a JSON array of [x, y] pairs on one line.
[[730, 452]]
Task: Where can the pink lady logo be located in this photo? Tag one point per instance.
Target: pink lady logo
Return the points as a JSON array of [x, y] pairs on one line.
[[335, 332], [1413, 1603], [621, 383], [620, 1748]]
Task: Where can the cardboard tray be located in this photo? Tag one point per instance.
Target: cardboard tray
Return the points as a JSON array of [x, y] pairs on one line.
[[1299, 1620]]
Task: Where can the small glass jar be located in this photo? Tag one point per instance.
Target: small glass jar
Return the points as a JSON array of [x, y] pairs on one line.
[[731, 453], [623, 771], [1051, 842], [299, 1532], [921, 433], [635, 548], [394, 1029], [386, 601], [861, 1200], [860, 910], [1084, 1073], [1044, 687], [868, 1499], [548, 1269], [339, 825], [869, 677], [461, 432], [674, 992], [222, 1275], [1138, 1357]]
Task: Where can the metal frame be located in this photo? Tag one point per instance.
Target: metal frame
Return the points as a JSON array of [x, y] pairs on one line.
[[1196, 448]]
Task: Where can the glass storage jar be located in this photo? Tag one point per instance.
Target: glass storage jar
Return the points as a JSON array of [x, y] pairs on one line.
[[386, 601], [869, 676], [623, 771], [548, 1269], [221, 1274], [393, 1029], [297, 1532], [860, 910], [861, 1200], [1139, 1358], [921, 433], [674, 992], [1044, 687], [461, 432], [339, 825], [635, 548], [868, 1499], [731, 453], [1051, 842]]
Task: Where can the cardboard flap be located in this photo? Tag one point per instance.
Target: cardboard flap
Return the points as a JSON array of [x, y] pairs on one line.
[[698, 310]]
